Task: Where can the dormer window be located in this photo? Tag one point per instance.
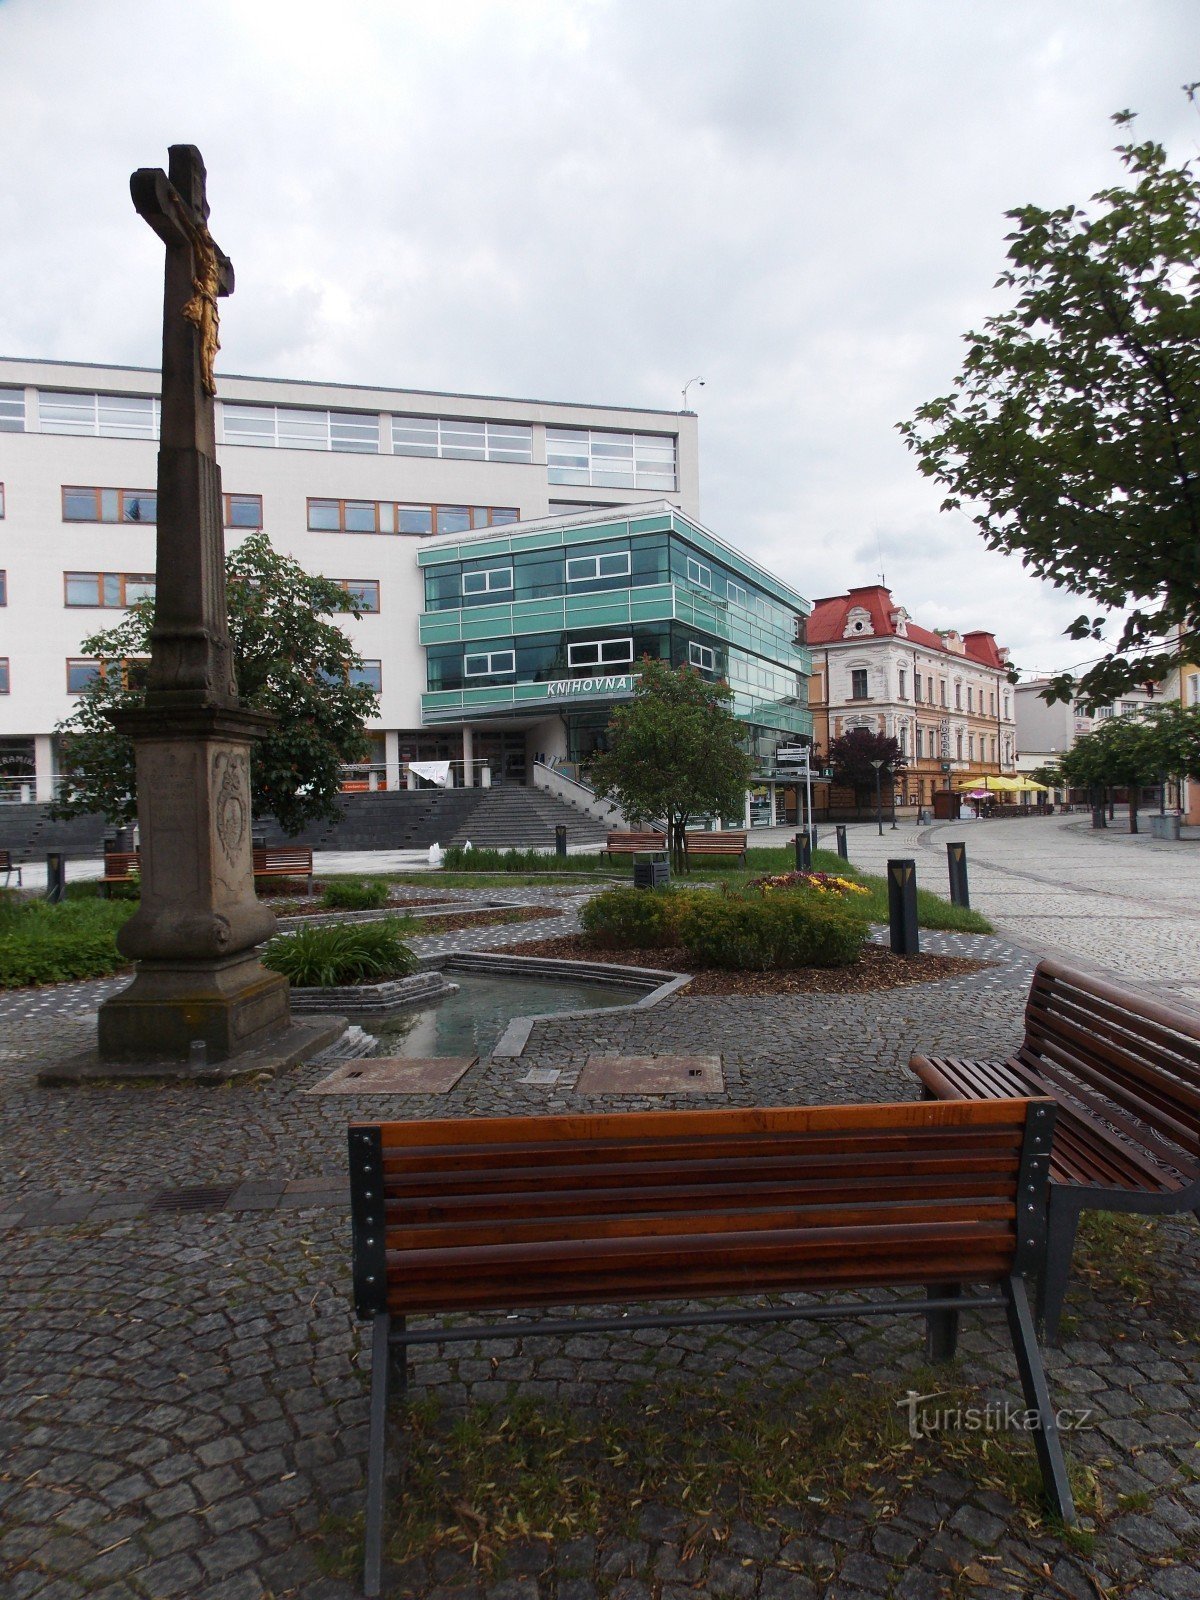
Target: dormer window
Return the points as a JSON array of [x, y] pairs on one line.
[[858, 623]]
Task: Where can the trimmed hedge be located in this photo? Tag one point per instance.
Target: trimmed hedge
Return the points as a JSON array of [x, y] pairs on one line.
[[364, 896], [456, 859], [41, 943], [790, 929]]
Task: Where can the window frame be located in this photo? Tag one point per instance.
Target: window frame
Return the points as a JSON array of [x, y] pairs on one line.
[[5, 676], [100, 603], [702, 577], [491, 670], [597, 576], [599, 645], [695, 648], [227, 501], [862, 673], [123, 495], [488, 573], [736, 594], [363, 583]]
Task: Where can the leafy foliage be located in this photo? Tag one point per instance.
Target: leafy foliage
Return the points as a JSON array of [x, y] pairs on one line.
[[1129, 751], [288, 661], [331, 954], [459, 860], [794, 928], [368, 895], [851, 755], [677, 751], [1074, 427], [42, 943]]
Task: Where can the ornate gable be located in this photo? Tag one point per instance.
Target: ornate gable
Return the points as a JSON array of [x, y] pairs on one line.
[[858, 623]]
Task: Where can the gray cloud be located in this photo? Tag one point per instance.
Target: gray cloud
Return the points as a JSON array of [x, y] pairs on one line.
[[596, 199]]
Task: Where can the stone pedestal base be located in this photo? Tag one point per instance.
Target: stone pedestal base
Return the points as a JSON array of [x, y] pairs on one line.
[[297, 1043], [233, 1005]]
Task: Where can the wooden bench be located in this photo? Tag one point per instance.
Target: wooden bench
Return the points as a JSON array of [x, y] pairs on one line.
[[8, 866], [284, 861], [494, 1214], [629, 844], [1124, 1072], [716, 844], [120, 866]]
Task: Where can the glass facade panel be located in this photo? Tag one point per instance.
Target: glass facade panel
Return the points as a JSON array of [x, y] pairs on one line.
[[370, 674], [354, 431], [5, 683], [414, 519], [360, 516], [110, 416], [415, 436], [611, 460], [453, 519], [12, 411]]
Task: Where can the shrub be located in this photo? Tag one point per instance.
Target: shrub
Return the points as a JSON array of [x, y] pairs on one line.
[[41, 943], [633, 919], [360, 896], [331, 954], [790, 930]]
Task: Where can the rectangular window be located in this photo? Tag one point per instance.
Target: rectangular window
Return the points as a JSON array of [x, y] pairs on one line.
[[586, 569], [971, 746], [903, 675], [462, 439], [4, 683], [363, 591], [300, 428], [453, 519], [489, 663], [610, 460], [992, 703], [107, 416], [386, 516], [243, 510], [1193, 698], [917, 687], [958, 697], [699, 655], [3, 587], [735, 594], [698, 573], [941, 691], [492, 581], [970, 698], [370, 674], [1, 499], [109, 505], [80, 674], [111, 590], [920, 744], [12, 411], [599, 652], [858, 683]]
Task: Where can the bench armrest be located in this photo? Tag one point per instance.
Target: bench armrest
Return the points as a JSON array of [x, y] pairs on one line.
[[938, 1086]]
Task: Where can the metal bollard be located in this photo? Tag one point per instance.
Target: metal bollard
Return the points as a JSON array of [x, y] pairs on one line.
[[956, 857], [560, 839], [842, 847], [803, 853], [902, 908], [56, 876]]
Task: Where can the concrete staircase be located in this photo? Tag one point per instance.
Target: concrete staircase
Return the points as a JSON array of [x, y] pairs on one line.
[[393, 819], [509, 817], [29, 831]]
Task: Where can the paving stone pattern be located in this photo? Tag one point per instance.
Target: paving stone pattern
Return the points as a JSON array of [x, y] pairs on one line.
[[183, 1392]]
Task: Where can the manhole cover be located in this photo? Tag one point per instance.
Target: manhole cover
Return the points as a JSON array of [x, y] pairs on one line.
[[642, 1075], [196, 1198], [395, 1075]]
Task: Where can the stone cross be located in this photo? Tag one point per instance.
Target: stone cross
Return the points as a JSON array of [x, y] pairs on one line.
[[200, 994], [190, 662]]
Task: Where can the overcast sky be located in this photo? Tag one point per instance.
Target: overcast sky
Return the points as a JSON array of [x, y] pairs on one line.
[[595, 200]]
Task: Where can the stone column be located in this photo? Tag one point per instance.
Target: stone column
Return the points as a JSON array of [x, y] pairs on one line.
[[468, 748]]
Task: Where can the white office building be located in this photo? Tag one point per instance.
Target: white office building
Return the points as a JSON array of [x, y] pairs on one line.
[[352, 481]]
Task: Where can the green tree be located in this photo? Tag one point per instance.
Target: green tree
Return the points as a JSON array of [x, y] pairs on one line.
[[288, 660], [1177, 731], [1122, 753], [851, 756], [677, 751], [1073, 430]]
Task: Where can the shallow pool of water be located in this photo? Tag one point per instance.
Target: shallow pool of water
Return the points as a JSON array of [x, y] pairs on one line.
[[471, 1022]]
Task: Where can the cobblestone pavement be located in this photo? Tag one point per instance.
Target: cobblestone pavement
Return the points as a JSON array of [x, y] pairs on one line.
[[182, 1391], [1123, 903]]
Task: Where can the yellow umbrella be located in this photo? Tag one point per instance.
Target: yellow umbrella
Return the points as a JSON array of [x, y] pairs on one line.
[[1030, 784], [996, 784]]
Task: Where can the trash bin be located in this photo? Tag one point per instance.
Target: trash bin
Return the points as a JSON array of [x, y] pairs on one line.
[[1170, 826], [652, 874]]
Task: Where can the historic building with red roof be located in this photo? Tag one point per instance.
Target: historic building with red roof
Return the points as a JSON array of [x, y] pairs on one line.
[[945, 697]]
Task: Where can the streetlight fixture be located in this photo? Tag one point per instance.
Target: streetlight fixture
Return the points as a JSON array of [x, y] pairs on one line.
[[687, 386], [878, 795]]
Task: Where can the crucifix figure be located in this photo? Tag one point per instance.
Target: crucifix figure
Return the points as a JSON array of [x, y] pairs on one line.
[[199, 982]]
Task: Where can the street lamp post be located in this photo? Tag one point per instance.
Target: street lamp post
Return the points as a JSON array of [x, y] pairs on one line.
[[878, 765]]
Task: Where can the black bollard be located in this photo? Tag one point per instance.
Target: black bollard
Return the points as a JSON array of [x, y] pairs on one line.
[[902, 908], [56, 876], [560, 839], [956, 856], [803, 853], [842, 848]]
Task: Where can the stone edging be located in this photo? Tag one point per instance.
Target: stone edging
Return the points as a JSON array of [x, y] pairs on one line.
[[363, 999]]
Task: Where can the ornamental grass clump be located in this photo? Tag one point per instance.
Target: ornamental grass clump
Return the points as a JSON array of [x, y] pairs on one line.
[[334, 954]]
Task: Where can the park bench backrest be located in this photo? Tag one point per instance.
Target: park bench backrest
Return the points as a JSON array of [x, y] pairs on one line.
[[1130, 1050], [525, 1211], [282, 858], [715, 841], [6, 860], [649, 840], [121, 864]]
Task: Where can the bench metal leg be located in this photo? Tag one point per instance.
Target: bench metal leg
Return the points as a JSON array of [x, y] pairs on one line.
[[398, 1355], [941, 1327], [377, 1455], [1062, 1221], [1037, 1398]]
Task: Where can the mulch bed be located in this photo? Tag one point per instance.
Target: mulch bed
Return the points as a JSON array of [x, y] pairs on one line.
[[878, 969], [484, 919]]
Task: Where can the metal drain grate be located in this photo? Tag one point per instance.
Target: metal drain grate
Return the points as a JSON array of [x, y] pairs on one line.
[[197, 1198]]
